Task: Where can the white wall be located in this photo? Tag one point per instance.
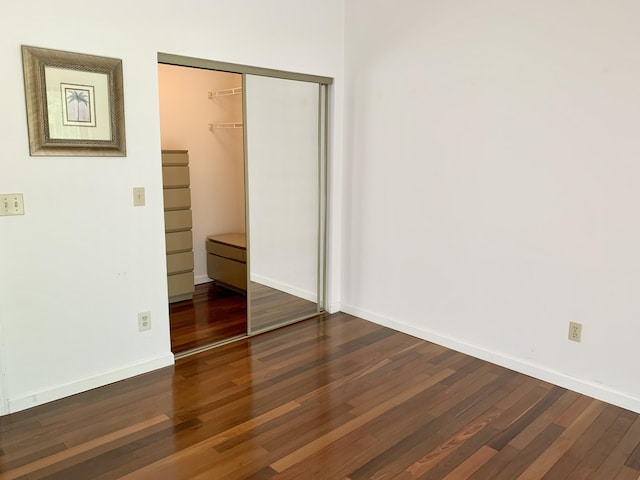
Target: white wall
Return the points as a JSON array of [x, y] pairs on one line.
[[79, 266], [492, 189], [216, 160]]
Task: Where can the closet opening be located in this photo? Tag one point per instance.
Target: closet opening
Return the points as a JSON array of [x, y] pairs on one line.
[[201, 121], [244, 158]]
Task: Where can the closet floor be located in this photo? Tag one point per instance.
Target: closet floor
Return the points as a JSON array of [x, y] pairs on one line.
[[217, 314], [214, 315]]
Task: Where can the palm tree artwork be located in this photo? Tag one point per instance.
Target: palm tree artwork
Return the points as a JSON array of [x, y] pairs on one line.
[[79, 98]]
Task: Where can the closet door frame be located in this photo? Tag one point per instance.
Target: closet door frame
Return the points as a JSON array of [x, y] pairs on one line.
[[183, 61], [323, 129]]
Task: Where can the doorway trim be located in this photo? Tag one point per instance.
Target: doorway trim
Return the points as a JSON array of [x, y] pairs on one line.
[[182, 61], [5, 407]]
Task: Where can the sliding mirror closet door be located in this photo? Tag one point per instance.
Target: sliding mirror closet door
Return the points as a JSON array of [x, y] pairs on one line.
[[284, 137]]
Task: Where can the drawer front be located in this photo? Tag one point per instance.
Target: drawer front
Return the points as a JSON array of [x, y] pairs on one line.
[[175, 220], [175, 157], [227, 271], [235, 253], [179, 263], [179, 241], [181, 284], [176, 198], [174, 177]]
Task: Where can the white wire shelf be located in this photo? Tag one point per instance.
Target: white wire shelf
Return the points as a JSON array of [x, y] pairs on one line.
[[215, 126], [226, 92]]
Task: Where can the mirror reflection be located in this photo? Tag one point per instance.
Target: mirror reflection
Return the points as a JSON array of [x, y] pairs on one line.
[[282, 141]]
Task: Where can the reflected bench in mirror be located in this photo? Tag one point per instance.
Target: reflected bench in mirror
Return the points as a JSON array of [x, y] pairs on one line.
[[227, 260]]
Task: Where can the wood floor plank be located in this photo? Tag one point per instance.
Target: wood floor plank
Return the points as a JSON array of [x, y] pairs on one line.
[[332, 398], [525, 420], [426, 437], [475, 405], [103, 459], [537, 425], [426, 462], [598, 433], [622, 450], [549, 457], [627, 473], [471, 464], [319, 443], [605, 444], [496, 464], [519, 408], [332, 462], [530, 453], [461, 455], [75, 451]]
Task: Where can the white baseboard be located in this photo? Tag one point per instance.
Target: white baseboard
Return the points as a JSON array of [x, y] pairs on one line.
[[39, 397], [286, 288], [334, 307], [585, 387], [200, 279]]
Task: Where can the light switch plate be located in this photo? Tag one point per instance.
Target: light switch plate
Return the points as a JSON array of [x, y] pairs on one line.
[[138, 197], [11, 204]]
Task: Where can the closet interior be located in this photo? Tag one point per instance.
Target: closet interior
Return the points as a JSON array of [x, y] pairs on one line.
[[202, 134]]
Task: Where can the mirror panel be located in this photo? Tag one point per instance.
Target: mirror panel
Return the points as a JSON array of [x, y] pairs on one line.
[[283, 142]]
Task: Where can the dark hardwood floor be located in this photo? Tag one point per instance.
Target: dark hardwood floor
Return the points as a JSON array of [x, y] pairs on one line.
[[334, 397], [214, 315], [217, 314], [271, 307]]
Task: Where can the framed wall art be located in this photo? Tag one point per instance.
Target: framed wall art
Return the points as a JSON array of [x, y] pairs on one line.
[[75, 104]]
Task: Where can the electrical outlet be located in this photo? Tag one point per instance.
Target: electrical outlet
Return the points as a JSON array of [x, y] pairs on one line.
[[144, 321], [575, 331]]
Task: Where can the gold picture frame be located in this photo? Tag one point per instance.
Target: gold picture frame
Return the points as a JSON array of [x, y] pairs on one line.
[[75, 104]]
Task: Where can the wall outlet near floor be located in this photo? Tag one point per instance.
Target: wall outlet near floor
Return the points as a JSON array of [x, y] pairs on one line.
[[575, 331], [144, 321]]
